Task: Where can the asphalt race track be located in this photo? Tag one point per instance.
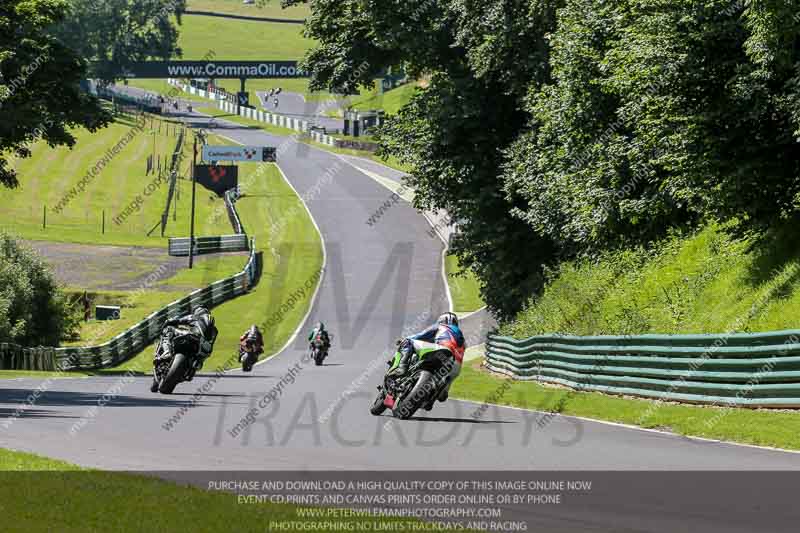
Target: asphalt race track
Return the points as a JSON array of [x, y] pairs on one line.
[[378, 280], [295, 105]]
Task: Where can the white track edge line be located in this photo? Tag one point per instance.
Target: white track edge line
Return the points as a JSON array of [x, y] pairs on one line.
[[319, 283], [636, 428], [442, 267]]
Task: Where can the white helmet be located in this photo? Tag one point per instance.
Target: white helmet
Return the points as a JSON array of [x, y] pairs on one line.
[[448, 318]]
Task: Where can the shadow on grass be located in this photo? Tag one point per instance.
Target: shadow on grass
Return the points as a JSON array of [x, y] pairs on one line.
[[773, 253]]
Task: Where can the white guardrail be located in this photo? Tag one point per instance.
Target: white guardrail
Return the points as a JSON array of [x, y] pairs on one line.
[[283, 121]]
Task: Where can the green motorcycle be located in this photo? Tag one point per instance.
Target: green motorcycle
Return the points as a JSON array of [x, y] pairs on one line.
[[427, 375]]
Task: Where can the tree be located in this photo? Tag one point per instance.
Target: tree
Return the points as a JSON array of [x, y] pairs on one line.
[[39, 76], [33, 310], [115, 33], [553, 129], [480, 58], [661, 113]]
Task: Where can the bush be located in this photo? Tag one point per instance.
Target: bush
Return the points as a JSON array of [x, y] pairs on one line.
[[33, 309]]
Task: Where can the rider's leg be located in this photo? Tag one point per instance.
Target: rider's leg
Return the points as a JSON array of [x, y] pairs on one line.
[[165, 350], [406, 350]]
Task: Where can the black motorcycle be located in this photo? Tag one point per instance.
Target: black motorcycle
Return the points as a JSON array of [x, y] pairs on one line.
[[182, 365], [426, 377], [318, 350], [248, 355]]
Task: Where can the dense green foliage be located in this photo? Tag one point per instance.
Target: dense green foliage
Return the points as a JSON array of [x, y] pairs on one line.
[[39, 93], [556, 129], [116, 33], [33, 310], [480, 58]]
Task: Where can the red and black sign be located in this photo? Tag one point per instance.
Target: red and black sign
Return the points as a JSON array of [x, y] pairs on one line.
[[217, 178]]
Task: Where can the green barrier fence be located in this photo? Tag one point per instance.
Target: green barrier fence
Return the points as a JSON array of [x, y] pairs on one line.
[[748, 370], [129, 343]]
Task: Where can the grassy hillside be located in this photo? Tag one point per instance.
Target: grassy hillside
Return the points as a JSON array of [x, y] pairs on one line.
[[390, 101], [702, 283], [52, 175], [232, 39], [296, 246]]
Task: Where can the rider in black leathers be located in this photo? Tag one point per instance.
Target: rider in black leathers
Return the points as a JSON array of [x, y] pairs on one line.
[[201, 323]]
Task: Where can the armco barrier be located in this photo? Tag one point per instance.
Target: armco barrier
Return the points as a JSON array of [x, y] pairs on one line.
[[233, 216], [15, 357], [282, 121], [127, 344], [748, 370], [179, 246]]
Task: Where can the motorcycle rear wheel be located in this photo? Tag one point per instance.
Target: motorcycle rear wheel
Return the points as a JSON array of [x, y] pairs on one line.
[[176, 373], [248, 361], [411, 402]]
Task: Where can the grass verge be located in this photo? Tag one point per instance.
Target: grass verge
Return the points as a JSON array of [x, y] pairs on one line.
[[14, 374], [41, 494], [464, 287], [762, 427], [269, 128], [390, 101], [391, 162], [291, 257]]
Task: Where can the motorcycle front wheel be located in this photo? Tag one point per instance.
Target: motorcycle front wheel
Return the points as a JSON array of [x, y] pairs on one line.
[[377, 408], [175, 375]]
